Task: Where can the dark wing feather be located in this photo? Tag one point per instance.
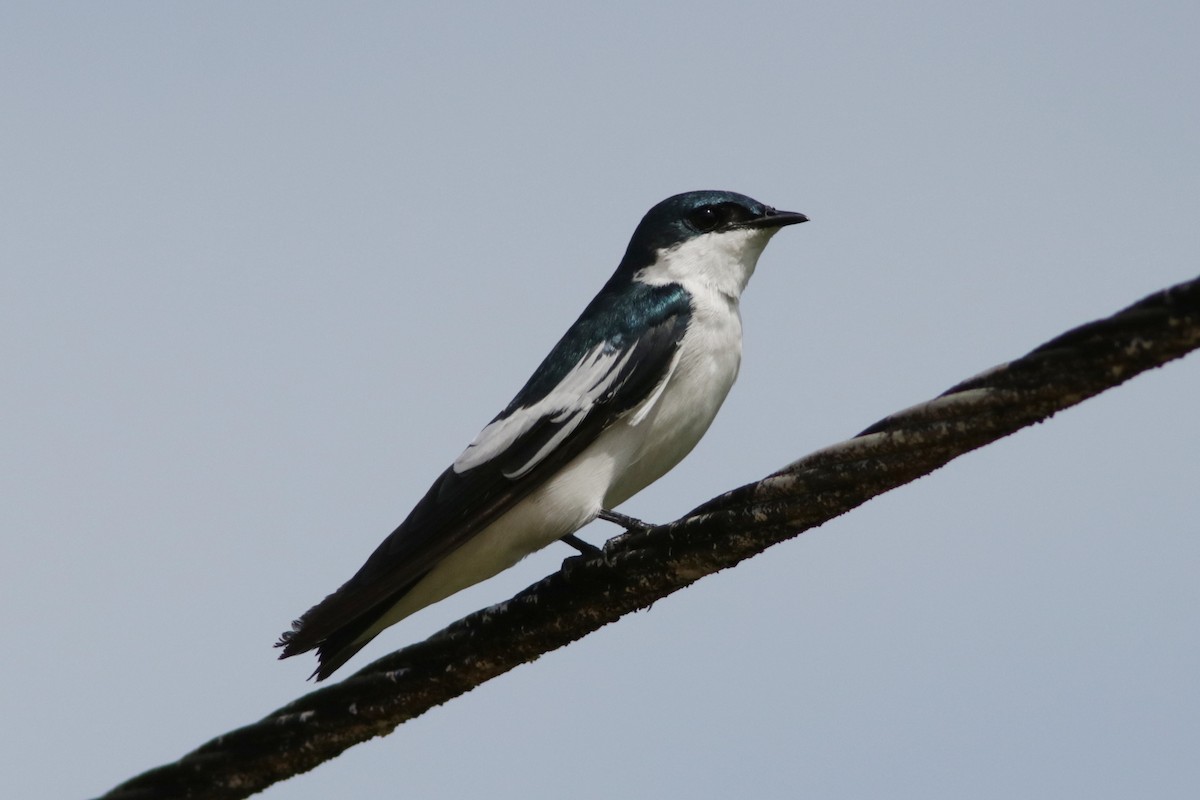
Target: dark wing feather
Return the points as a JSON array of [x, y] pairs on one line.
[[592, 381]]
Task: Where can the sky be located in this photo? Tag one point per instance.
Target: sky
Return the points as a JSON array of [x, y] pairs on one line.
[[265, 269]]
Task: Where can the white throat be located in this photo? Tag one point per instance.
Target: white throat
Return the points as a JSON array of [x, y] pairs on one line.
[[721, 262]]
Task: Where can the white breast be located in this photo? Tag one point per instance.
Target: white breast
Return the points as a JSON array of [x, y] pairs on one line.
[[652, 441]]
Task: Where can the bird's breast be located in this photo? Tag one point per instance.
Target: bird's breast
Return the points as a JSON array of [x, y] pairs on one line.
[[649, 444]]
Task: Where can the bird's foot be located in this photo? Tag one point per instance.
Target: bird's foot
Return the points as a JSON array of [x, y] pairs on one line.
[[630, 524], [587, 548]]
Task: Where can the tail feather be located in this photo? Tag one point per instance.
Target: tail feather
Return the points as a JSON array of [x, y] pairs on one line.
[[334, 652], [335, 638]]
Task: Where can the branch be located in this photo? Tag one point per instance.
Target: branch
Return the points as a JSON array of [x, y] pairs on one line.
[[635, 570]]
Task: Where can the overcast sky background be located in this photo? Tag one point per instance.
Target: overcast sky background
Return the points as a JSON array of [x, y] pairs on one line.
[[267, 268]]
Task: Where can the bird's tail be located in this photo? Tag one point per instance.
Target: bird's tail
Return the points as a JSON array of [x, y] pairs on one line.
[[332, 651]]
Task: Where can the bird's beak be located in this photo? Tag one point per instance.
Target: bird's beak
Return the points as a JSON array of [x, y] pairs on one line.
[[775, 219]]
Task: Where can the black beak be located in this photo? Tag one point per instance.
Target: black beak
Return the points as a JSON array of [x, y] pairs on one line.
[[775, 219]]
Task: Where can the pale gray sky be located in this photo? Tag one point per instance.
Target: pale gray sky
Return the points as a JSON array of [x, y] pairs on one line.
[[267, 268]]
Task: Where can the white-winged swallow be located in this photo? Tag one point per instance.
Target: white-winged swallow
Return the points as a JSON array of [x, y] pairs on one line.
[[625, 394]]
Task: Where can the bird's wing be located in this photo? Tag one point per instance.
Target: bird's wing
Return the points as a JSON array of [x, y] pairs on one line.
[[584, 385]]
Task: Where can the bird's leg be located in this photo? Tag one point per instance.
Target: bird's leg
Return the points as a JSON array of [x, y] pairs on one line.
[[626, 522], [587, 548]]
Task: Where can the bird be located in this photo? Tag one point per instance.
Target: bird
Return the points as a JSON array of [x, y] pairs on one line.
[[624, 395]]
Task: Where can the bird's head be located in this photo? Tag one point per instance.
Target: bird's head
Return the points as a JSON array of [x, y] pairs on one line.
[[709, 237]]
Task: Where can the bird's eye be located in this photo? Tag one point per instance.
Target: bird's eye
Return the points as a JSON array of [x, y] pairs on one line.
[[706, 218]]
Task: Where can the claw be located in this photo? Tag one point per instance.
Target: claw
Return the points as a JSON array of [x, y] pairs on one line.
[[628, 523]]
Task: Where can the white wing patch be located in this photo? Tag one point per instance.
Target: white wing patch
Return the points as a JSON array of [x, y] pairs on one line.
[[567, 405], [642, 409]]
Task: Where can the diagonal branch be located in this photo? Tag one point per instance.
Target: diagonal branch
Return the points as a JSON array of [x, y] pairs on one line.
[[637, 569]]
